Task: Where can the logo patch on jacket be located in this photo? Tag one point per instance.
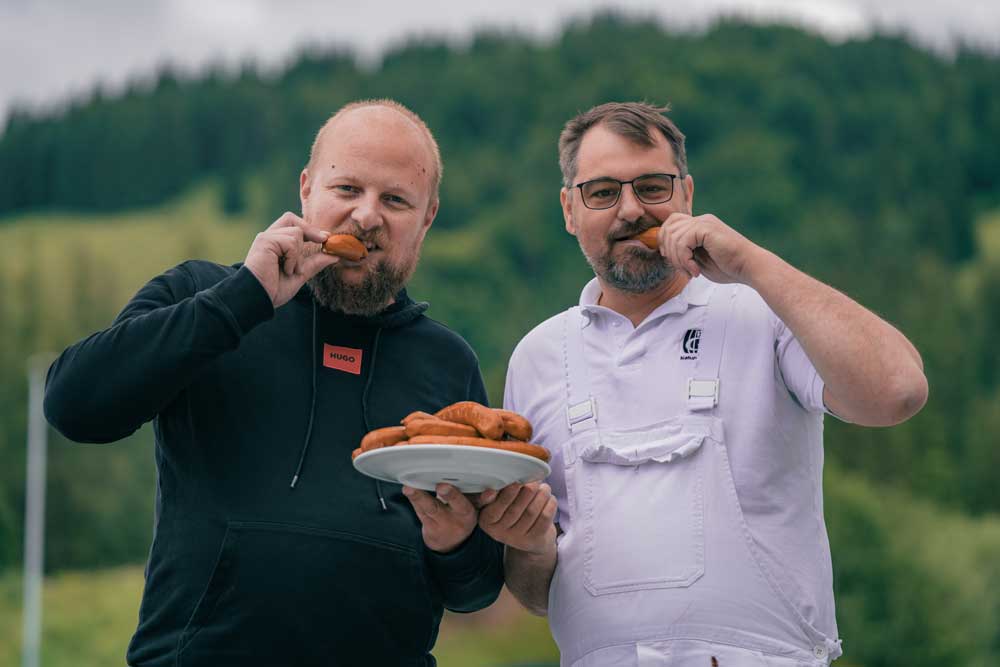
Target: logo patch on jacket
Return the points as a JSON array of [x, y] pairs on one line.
[[346, 359], [692, 338]]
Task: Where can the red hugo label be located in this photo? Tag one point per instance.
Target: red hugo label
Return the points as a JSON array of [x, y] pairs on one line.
[[342, 358]]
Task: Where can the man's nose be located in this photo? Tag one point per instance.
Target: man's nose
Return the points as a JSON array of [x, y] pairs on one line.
[[629, 206], [367, 214]]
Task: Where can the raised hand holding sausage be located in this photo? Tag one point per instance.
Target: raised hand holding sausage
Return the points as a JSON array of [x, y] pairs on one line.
[[705, 245], [286, 255]]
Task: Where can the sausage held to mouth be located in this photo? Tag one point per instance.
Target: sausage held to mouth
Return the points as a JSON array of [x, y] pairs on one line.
[[650, 238], [346, 246]]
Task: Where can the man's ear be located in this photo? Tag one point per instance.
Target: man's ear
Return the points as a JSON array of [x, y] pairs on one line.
[[566, 201], [305, 187], [432, 211], [688, 185]]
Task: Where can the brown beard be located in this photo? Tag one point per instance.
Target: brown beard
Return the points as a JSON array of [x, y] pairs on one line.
[[380, 285]]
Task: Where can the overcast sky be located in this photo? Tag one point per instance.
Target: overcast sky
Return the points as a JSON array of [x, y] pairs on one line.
[[51, 51]]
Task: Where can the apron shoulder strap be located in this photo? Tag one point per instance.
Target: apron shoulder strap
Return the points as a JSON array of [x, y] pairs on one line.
[[703, 386], [581, 408]]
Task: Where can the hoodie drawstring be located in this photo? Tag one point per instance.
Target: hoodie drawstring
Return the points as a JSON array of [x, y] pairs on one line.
[[364, 407], [312, 403]]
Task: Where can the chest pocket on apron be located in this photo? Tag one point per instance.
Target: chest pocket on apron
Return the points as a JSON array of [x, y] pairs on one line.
[[641, 505]]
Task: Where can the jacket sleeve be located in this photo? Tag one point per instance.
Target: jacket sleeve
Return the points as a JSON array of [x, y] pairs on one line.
[[471, 576], [106, 386]]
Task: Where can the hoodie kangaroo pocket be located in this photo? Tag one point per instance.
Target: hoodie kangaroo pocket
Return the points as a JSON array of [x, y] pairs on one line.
[[296, 595]]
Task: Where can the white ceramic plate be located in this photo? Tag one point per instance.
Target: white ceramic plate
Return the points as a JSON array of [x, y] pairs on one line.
[[469, 469]]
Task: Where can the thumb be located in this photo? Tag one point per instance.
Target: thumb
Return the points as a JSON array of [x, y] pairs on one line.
[[315, 263], [456, 501]]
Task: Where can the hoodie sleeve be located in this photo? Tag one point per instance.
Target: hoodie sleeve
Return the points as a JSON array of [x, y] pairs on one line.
[[106, 386], [471, 576]]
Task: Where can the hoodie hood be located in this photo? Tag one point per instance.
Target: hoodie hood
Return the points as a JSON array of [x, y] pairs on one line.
[[401, 311]]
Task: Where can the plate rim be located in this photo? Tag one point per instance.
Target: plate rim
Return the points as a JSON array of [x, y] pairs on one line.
[[493, 451], [424, 446]]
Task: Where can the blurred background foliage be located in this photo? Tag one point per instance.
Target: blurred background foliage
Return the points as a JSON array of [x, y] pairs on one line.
[[872, 164]]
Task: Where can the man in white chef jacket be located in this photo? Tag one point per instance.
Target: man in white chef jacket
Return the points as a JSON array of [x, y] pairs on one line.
[[682, 401]]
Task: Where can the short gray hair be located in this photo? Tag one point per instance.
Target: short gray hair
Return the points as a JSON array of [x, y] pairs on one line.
[[631, 120]]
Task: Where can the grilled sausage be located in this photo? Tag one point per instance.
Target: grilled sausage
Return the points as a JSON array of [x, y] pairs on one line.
[[508, 445], [514, 425], [435, 426], [650, 238], [486, 421], [416, 415], [383, 437], [346, 246]]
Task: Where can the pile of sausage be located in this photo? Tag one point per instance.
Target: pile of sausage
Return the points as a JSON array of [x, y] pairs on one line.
[[463, 423]]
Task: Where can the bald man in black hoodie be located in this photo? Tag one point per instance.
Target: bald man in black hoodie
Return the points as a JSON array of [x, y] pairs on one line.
[[260, 379]]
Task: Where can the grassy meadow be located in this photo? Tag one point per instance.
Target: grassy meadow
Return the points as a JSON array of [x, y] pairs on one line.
[[89, 618]]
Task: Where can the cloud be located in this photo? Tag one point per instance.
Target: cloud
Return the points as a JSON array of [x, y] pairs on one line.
[[57, 50]]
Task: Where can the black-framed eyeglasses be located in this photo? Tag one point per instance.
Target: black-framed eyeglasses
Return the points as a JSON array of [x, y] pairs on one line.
[[602, 193]]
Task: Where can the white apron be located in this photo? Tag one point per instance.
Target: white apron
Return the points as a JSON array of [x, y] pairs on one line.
[[656, 565]]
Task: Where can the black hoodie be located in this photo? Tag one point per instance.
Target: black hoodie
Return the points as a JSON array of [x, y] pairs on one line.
[[248, 567]]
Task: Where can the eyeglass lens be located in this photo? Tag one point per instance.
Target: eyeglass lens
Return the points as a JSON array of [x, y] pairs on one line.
[[604, 193]]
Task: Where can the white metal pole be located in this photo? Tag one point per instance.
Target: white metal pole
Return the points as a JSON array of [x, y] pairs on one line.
[[34, 519]]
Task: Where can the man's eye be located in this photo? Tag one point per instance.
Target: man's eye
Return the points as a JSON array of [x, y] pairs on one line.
[[346, 189], [396, 200]]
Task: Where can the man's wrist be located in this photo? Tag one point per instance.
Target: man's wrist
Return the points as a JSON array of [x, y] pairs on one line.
[[454, 549], [246, 298], [445, 550], [761, 265], [541, 555]]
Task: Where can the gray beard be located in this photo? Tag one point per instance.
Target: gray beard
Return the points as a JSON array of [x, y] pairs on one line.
[[370, 296], [642, 274]]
